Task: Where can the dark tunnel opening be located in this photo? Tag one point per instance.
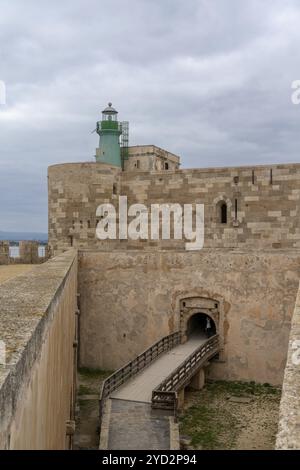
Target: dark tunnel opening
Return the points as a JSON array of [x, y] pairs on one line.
[[201, 325]]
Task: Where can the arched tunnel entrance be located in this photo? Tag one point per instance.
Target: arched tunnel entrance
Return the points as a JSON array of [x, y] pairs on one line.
[[202, 325]]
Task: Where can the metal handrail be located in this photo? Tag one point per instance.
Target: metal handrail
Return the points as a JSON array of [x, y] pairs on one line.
[[135, 366], [165, 395]]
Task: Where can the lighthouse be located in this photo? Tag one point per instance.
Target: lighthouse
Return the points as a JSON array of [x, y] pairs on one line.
[[109, 131]]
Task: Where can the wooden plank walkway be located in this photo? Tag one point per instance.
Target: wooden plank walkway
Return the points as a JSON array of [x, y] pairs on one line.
[[139, 388]]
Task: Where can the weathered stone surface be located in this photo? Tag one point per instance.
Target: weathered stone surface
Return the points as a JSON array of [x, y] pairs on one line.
[[150, 158], [130, 300], [289, 420], [266, 210], [37, 324]]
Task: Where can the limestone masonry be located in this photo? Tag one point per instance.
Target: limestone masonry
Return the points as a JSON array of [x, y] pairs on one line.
[[261, 203]]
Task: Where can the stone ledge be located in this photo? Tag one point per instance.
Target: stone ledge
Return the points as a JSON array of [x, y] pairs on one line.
[[288, 436], [174, 434], [28, 304], [103, 444]]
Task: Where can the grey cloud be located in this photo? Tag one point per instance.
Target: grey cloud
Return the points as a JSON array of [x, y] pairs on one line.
[[207, 79]]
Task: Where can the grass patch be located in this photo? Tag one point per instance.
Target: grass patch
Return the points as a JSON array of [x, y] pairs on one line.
[[242, 389], [94, 373], [211, 422], [84, 404], [84, 390], [208, 428]]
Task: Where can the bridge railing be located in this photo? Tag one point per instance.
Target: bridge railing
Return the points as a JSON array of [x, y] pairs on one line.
[[165, 395], [135, 366]]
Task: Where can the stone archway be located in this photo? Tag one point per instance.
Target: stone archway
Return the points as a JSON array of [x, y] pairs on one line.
[[191, 306], [197, 326], [218, 202]]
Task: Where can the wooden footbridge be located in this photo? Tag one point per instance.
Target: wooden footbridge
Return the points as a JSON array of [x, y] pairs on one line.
[[131, 397]]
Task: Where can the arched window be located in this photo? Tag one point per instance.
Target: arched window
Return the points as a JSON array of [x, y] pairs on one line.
[[166, 165], [223, 213]]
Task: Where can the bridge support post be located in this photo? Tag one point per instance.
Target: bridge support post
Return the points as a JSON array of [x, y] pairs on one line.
[[180, 398], [198, 380]]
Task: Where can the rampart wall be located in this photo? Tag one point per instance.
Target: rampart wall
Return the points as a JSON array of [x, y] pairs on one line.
[[288, 436], [37, 380]]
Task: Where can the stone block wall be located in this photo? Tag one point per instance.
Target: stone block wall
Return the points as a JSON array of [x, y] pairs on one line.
[[131, 299], [262, 204], [74, 192], [28, 253], [37, 381], [150, 158], [4, 252]]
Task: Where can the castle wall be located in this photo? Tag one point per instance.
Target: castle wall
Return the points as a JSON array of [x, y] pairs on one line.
[[4, 252], [28, 253], [262, 204], [131, 299], [288, 436], [38, 327], [74, 193], [149, 158]]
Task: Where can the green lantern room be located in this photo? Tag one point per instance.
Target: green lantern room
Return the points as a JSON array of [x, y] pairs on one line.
[[109, 130]]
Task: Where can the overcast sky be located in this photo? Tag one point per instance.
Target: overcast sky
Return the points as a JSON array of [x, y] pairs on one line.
[[209, 80]]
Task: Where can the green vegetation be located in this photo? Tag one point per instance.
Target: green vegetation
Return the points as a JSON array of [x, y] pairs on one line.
[[90, 380], [84, 390], [208, 427], [242, 389], [212, 421], [86, 405], [94, 373]]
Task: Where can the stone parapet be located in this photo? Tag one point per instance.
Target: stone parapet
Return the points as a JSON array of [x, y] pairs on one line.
[[37, 328], [288, 436]]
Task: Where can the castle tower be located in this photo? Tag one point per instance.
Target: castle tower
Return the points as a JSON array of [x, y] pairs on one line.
[[109, 130]]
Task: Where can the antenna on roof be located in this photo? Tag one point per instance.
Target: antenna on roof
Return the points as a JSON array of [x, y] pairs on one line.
[[124, 141]]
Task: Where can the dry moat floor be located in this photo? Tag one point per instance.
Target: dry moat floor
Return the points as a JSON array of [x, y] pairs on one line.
[[89, 382], [224, 415], [230, 415]]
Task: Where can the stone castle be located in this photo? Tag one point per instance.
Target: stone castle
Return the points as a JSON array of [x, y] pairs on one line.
[[102, 302]]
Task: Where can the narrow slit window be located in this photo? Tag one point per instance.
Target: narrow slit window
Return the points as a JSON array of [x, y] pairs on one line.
[[235, 209], [223, 210]]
